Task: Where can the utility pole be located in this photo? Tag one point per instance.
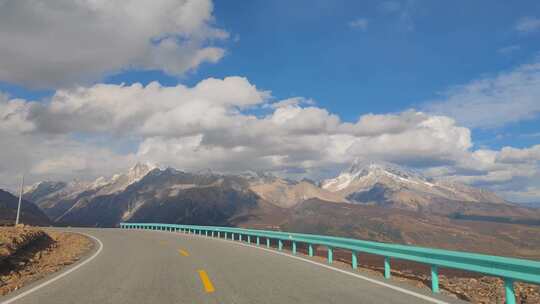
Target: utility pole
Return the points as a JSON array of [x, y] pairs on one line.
[[20, 201]]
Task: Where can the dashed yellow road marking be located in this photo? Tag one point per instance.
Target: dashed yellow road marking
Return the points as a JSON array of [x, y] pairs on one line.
[[208, 286], [183, 252]]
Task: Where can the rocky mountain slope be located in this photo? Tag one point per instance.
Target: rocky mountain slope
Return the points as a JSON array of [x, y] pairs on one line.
[[30, 213], [148, 193], [387, 184], [286, 193]]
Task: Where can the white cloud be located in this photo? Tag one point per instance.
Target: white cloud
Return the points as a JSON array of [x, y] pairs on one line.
[[360, 23], [509, 49], [90, 131], [293, 101], [493, 101], [527, 25], [60, 42], [514, 155]]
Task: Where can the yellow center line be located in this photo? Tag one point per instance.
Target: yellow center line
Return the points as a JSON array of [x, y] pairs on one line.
[[208, 286], [183, 252]]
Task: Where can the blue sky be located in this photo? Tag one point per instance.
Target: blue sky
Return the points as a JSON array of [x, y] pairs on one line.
[[351, 57], [409, 52]]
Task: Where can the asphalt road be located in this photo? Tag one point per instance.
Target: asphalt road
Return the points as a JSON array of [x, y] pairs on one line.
[[164, 267]]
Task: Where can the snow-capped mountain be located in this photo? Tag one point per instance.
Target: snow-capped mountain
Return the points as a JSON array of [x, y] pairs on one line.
[[368, 173], [145, 191], [384, 183], [57, 198]]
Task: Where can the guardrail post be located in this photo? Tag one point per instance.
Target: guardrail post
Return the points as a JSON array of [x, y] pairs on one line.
[[509, 291], [310, 250], [249, 239], [434, 279], [354, 260], [386, 267], [294, 248], [258, 241], [330, 255], [206, 232], [280, 245], [268, 242]]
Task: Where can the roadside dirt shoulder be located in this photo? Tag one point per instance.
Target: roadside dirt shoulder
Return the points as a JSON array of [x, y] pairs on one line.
[[28, 254]]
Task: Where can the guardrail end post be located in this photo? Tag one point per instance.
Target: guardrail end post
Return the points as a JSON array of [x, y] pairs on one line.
[[258, 241], [434, 279], [280, 245], [294, 248], [386, 267], [268, 242], [330, 255], [509, 291], [310, 250], [354, 260]]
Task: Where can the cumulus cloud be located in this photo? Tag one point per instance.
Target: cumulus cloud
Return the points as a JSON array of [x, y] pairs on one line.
[[514, 155], [89, 131], [493, 101], [51, 43]]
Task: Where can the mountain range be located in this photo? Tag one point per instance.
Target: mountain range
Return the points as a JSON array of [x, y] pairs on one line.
[[146, 192], [30, 213], [376, 201]]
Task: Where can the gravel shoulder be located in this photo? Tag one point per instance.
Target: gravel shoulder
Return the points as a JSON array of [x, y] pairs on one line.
[[28, 254]]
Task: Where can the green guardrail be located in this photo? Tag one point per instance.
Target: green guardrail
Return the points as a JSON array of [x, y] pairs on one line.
[[509, 269]]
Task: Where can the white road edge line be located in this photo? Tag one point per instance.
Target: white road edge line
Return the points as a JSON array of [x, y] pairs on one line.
[[403, 290], [63, 274]]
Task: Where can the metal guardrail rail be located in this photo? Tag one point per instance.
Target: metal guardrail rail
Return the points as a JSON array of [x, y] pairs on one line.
[[509, 269]]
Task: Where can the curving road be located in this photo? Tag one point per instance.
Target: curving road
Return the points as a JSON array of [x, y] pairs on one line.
[[130, 267]]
